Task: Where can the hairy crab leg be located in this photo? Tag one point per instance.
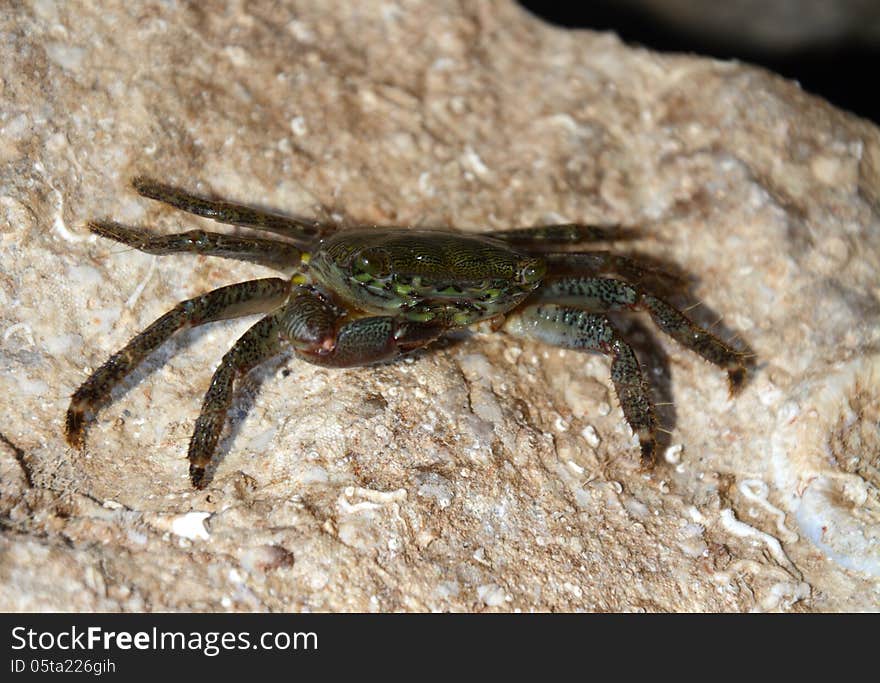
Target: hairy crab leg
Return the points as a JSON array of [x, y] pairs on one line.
[[245, 298], [563, 233], [606, 294], [273, 253], [311, 325], [260, 343], [304, 230], [573, 328]]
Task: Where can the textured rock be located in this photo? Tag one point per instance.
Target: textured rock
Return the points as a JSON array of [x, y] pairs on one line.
[[490, 473]]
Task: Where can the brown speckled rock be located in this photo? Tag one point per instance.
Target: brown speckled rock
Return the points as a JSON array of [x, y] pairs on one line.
[[490, 473]]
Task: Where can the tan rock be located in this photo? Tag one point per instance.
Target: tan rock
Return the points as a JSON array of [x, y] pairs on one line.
[[488, 474]]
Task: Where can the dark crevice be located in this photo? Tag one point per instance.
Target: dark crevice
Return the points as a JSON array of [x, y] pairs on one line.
[[20, 457], [843, 72]]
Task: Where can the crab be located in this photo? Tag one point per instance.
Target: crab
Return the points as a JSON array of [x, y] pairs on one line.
[[366, 295]]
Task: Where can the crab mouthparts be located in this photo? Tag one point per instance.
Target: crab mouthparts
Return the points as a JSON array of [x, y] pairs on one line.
[[326, 346]]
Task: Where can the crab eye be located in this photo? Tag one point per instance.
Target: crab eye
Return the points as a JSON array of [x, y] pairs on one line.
[[372, 262], [532, 272]]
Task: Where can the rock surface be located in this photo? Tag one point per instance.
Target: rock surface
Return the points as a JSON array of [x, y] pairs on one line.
[[490, 473]]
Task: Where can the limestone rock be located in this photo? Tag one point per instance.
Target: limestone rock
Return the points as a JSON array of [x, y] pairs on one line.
[[489, 473]]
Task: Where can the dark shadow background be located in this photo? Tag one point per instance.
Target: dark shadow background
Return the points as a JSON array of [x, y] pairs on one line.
[[845, 72]]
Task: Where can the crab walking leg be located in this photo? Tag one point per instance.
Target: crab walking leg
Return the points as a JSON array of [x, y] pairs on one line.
[[310, 324], [307, 321], [572, 328], [228, 212], [563, 233], [606, 294], [260, 343], [272, 253], [245, 298], [604, 262]]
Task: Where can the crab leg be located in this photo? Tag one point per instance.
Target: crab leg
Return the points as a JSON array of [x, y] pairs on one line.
[[563, 233], [604, 262], [234, 214], [258, 344], [245, 298], [272, 253], [310, 324], [605, 294], [572, 328]]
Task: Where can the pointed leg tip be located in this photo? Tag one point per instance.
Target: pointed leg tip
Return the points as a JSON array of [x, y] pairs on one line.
[[197, 477], [146, 187], [74, 429], [107, 229], [100, 228], [75, 440], [138, 182], [736, 379], [648, 445]]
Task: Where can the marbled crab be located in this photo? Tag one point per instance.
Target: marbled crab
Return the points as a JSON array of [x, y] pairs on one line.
[[359, 296]]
